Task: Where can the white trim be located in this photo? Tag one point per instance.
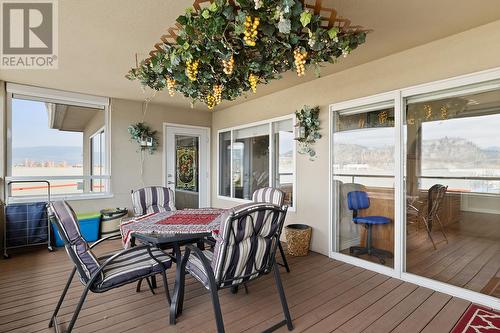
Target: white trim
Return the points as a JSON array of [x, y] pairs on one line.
[[270, 122], [207, 177], [460, 85], [65, 97], [364, 264], [452, 290]]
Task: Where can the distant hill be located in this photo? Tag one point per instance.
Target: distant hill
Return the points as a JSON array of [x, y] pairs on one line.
[[70, 154]]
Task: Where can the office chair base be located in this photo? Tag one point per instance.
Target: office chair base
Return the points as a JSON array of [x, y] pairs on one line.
[[380, 254]]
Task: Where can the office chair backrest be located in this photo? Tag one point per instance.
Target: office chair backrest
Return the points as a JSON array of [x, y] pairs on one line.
[[246, 245], [358, 200]]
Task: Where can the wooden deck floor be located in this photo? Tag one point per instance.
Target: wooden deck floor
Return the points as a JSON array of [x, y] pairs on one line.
[[324, 295]]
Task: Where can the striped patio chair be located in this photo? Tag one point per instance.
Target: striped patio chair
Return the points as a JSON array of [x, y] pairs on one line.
[[100, 274], [276, 197], [152, 199], [245, 250]]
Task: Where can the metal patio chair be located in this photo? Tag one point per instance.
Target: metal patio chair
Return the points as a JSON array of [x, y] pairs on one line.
[[276, 197], [245, 250], [152, 199], [100, 274]]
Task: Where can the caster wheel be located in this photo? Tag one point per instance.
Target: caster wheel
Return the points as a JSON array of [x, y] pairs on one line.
[[51, 249], [6, 256]]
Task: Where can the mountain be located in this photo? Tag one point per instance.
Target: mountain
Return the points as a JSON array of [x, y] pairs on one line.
[[72, 155]]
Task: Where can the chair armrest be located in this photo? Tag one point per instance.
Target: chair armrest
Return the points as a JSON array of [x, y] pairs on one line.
[[99, 241], [111, 259], [190, 249]]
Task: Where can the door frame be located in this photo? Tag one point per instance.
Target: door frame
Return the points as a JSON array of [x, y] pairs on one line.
[[208, 162], [468, 83]]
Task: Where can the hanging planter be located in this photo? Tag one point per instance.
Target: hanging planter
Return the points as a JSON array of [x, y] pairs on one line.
[[307, 130], [144, 136], [227, 48]]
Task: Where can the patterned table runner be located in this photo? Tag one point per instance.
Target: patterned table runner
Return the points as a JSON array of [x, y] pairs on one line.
[[187, 221]]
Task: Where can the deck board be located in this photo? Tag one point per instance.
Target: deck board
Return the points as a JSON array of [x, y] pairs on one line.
[[324, 295]]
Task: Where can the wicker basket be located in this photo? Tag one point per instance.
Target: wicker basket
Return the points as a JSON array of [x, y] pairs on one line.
[[298, 239]]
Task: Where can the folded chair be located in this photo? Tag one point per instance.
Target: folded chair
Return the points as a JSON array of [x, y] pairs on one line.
[[245, 250], [276, 197], [100, 274]]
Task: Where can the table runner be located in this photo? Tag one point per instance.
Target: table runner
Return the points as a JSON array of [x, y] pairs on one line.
[[187, 221]]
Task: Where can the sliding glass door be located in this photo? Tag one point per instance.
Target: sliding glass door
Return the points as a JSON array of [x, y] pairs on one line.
[[453, 189], [363, 183], [416, 185]]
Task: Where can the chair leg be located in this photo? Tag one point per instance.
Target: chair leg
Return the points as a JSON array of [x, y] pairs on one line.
[[178, 295], [61, 299], [442, 228], [78, 309], [217, 310], [285, 263], [281, 292], [429, 233], [165, 286]]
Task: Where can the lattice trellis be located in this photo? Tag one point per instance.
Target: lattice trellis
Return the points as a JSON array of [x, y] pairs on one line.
[[329, 19]]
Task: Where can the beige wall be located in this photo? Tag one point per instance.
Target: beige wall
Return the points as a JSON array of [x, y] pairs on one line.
[[125, 158], [467, 52], [3, 153]]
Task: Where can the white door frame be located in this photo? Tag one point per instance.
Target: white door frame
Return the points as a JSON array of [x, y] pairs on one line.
[[469, 83], [204, 199]]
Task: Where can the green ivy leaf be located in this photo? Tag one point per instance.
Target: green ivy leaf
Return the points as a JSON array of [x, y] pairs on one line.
[[212, 7], [332, 33], [305, 18], [205, 14]]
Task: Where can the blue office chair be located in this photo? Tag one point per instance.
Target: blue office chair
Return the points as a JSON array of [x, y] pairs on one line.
[[357, 200]]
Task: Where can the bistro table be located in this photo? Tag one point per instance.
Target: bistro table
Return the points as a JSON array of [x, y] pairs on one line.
[[171, 229]]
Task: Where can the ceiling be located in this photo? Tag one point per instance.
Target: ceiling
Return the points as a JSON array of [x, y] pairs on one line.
[[98, 40]]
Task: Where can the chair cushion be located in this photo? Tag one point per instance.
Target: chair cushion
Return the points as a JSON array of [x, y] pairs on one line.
[[269, 195], [131, 267], [156, 209], [151, 199], [195, 267], [372, 220]]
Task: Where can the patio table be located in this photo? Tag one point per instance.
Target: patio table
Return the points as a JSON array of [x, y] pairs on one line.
[[171, 229]]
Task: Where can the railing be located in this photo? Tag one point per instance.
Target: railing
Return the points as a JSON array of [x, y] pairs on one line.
[[464, 178], [60, 185]]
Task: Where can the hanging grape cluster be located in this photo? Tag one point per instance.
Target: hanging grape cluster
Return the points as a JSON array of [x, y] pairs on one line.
[[211, 101], [218, 93], [171, 86], [300, 61], [253, 80], [228, 65], [192, 69], [251, 30]]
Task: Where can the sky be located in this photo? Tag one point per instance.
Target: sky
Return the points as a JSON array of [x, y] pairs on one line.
[[30, 127]]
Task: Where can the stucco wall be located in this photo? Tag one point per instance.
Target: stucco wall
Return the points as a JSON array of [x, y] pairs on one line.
[[467, 52]]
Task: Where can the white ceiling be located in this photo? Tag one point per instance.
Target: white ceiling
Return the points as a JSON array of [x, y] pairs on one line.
[[98, 40]]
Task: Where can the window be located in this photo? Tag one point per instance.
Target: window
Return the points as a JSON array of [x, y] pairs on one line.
[[97, 160], [57, 137], [256, 156]]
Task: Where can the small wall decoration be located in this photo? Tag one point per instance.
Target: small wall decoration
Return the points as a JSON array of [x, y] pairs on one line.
[[186, 168], [144, 136], [307, 129]]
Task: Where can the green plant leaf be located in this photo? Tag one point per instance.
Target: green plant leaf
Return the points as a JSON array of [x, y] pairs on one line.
[[305, 18], [332, 33], [212, 7], [205, 14]]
